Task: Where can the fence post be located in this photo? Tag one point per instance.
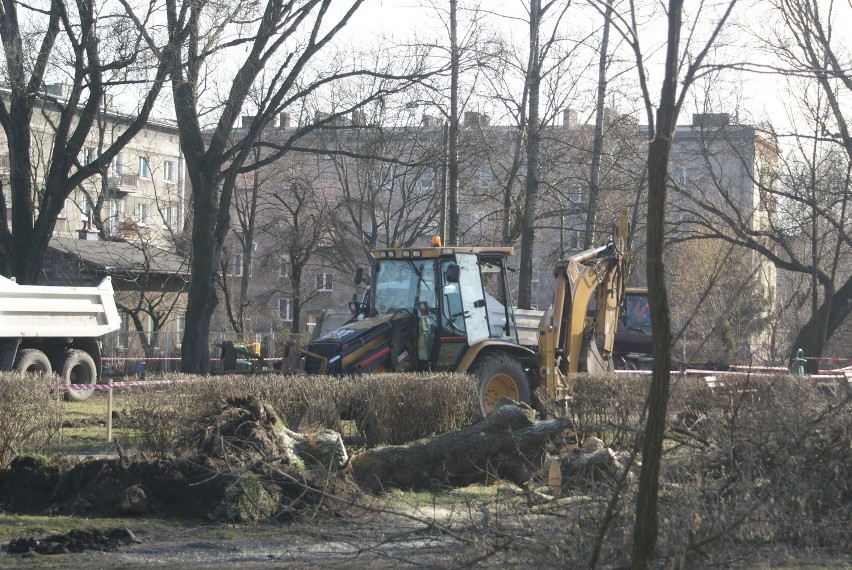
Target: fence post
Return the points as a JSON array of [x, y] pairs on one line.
[[109, 410]]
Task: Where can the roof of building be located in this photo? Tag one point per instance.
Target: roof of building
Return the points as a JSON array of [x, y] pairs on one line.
[[122, 256]]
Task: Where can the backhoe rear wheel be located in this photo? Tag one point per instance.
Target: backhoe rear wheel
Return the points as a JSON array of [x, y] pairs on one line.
[[500, 376]]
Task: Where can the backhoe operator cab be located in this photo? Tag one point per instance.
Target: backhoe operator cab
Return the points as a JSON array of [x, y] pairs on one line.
[[432, 309], [633, 342]]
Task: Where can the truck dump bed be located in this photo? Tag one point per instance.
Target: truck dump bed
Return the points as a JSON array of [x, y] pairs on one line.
[[50, 311]]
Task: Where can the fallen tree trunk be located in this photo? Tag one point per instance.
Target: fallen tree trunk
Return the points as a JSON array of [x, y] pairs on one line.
[[507, 444]]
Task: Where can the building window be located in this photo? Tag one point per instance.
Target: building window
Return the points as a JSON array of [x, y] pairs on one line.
[[324, 282], [144, 167], [123, 331], [90, 154], [283, 269], [483, 177], [169, 171], [383, 177], [116, 214], [86, 208], [180, 327], [169, 217], [312, 318], [576, 194], [118, 163], [236, 269], [427, 179], [143, 214], [285, 309], [116, 210], [62, 213], [574, 239]]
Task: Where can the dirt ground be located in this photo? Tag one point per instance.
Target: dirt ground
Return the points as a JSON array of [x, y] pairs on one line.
[[374, 541], [182, 511]]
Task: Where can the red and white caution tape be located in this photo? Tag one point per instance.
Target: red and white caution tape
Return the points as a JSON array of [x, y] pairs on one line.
[[119, 384]]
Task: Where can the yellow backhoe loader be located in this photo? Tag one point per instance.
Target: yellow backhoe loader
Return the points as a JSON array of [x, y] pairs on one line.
[[449, 308]]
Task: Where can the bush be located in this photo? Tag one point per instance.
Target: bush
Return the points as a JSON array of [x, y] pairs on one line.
[[756, 461], [399, 408], [30, 415], [755, 472], [384, 408], [608, 406]]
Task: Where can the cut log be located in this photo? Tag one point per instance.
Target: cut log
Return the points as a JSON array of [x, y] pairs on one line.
[[508, 444]]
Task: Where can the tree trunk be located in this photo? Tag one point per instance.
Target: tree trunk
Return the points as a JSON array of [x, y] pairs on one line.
[[822, 325], [645, 529], [201, 293], [296, 293], [507, 444], [453, 142], [597, 145], [533, 144]]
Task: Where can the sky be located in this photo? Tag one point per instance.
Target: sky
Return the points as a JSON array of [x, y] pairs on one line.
[[753, 97]]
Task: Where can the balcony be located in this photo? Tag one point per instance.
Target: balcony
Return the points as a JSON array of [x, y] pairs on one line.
[[123, 183]]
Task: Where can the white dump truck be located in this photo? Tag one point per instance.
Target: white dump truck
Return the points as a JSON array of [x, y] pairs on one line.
[[45, 329]]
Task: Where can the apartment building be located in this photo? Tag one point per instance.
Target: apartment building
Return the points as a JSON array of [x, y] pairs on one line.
[[723, 172], [302, 224], [141, 196]]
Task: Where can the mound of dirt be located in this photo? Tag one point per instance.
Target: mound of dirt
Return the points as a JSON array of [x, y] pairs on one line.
[[97, 486], [76, 540], [239, 465]]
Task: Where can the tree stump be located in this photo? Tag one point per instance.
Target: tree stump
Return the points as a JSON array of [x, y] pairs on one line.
[[507, 444]]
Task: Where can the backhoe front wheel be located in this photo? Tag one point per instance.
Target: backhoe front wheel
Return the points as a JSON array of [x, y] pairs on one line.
[[501, 376]]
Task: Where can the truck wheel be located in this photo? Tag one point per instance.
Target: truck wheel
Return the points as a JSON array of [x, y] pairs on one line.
[[501, 376], [32, 361], [78, 368]]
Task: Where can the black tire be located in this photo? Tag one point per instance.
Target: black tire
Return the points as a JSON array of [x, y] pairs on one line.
[[33, 361], [78, 367], [500, 375]]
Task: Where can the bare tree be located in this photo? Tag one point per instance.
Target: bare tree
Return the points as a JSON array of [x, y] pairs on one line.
[[550, 63], [683, 64], [805, 38], [597, 149], [88, 51], [307, 224], [246, 202], [467, 49], [149, 281], [280, 45], [388, 177]]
